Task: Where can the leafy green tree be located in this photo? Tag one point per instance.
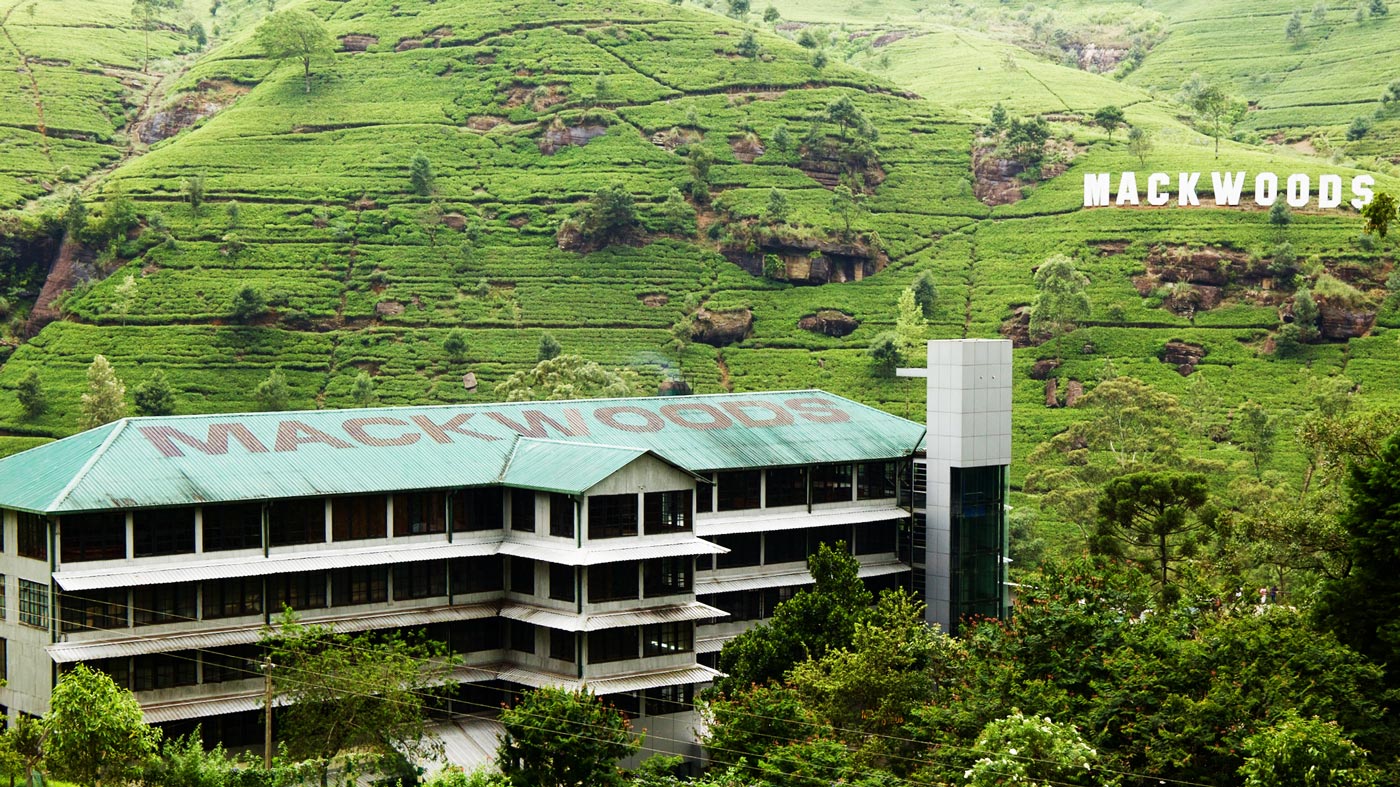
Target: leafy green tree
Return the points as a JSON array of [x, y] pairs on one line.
[[1217, 109], [739, 8], [998, 117], [298, 35], [420, 175], [809, 624], [248, 305], [1305, 751], [925, 293], [1109, 118], [910, 328], [677, 215], [884, 354], [1060, 300], [1256, 431], [154, 396], [748, 45], [194, 192], [23, 743], [433, 218], [1154, 521], [819, 59], [1319, 14], [32, 397], [183, 762], [549, 348], [609, 216], [568, 377], [542, 745], [455, 345], [1305, 314], [1379, 213], [847, 204], [1280, 216], [95, 734], [771, 15], [782, 139], [147, 12], [1140, 143], [753, 720], [1359, 128], [363, 393], [846, 115], [1361, 607], [273, 395], [1293, 31], [1025, 141], [75, 215], [234, 211], [105, 400], [776, 212], [1034, 751], [1379, 8], [366, 692], [866, 690]]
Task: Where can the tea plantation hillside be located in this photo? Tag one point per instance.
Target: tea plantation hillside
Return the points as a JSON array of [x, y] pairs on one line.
[[518, 112]]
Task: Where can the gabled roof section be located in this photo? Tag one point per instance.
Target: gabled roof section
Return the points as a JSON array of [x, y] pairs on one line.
[[184, 460]]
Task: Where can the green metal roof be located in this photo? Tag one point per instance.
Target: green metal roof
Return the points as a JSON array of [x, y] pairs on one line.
[[180, 460]]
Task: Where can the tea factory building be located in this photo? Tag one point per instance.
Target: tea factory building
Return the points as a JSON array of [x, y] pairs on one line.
[[612, 544]]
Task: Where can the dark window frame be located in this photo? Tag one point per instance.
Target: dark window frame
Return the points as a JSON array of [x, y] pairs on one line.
[[233, 597], [359, 517], [522, 575], [563, 582], [33, 535], [295, 521], [667, 576], [562, 515], [613, 582], [786, 486], [477, 509], [470, 575], [611, 645], [426, 579], [668, 639], [162, 531], [420, 513], [563, 646], [667, 512], [96, 536], [155, 605], [357, 585], [522, 510], [613, 516], [232, 526], [33, 604], [739, 490]]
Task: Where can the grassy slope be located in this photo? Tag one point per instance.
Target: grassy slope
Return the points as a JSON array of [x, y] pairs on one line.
[[332, 232]]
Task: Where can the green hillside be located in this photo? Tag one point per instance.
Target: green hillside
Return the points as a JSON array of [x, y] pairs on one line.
[[525, 109]]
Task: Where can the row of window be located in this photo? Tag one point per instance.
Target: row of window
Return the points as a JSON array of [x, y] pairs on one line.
[[170, 531], [243, 596], [738, 490], [795, 546]]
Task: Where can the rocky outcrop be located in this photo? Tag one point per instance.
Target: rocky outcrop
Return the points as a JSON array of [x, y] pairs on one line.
[[1017, 327], [1052, 396], [829, 322], [188, 109], [559, 136], [1339, 322], [357, 43], [747, 148], [1074, 391], [1183, 355], [721, 328], [673, 387], [1043, 367], [675, 137], [811, 260]]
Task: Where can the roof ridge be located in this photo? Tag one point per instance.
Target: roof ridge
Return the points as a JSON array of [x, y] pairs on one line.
[[510, 456], [87, 466]]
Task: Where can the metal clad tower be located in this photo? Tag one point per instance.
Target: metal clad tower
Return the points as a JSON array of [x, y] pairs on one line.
[[967, 456]]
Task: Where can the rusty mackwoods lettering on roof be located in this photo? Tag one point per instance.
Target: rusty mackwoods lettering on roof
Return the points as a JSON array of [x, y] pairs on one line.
[[390, 431]]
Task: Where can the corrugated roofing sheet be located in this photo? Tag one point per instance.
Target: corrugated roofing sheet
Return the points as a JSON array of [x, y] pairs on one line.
[[614, 685], [155, 713], [179, 460], [869, 566], [469, 743], [569, 468], [551, 618], [768, 521], [164, 573], [66, 652], [595, 553], [713, 644]]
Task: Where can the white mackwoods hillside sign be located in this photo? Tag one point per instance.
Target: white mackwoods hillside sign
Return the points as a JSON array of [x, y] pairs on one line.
[[1227, 189]]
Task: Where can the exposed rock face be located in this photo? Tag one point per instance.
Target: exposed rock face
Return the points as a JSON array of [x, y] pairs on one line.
[[1194, 266], [676, 137], [673, 387], [1018, 327], [357, 43], [812, 260], [1052, 396], [1340, 323], [187, 110], [654, 300], [1043, 368], [1074, 391], [747, 148], [559, 136], [1183, 355], [73, 265], [388, 308], [830, 322], [720, 329]]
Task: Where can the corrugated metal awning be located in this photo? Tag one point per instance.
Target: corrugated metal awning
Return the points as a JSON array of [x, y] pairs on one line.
[[468, 742], [66, 652], [792, 520], [713, 644], [594, 554], [869, 566], [550, 618], [179, 710], [170, 571], [637, 681]]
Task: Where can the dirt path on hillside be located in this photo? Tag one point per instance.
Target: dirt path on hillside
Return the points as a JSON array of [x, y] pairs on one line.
[[28, 72]]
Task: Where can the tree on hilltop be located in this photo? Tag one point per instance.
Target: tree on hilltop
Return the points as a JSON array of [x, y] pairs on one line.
[[1214, 107], [295, 35], [1378, 214], [1140, 143]]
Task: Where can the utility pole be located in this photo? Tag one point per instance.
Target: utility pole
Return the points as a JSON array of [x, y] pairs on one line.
[[267, 704]]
